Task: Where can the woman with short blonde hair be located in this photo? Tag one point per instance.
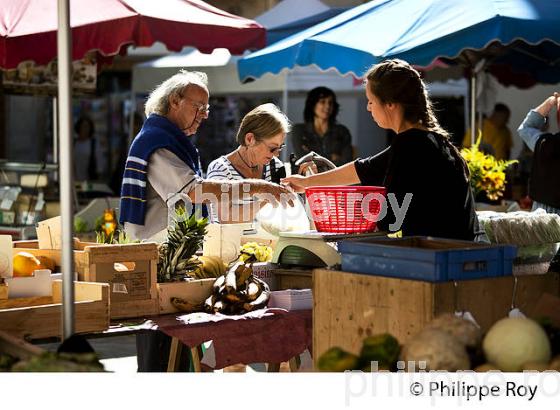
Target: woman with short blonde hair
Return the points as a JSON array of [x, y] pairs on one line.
[[261, 137]]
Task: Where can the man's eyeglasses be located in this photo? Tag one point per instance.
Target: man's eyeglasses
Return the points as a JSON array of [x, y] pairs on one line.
[[275, 150], [200, 107]]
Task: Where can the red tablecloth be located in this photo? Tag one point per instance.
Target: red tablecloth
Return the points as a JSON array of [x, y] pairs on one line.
[[266, 336]]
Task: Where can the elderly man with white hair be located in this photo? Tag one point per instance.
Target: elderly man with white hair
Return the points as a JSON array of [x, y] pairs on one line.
[[163, 160]]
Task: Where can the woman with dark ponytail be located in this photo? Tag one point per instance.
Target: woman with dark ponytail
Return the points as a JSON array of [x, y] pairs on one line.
[[420, 161]]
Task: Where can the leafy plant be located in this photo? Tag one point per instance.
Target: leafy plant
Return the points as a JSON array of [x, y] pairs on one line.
[[183, 240], [487, 173], [99, 221], [80, 226]]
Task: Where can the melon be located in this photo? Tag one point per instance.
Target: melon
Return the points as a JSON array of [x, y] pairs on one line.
[[514, 341]]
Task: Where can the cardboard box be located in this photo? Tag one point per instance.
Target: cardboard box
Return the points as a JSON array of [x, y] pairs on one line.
[[265, 272]]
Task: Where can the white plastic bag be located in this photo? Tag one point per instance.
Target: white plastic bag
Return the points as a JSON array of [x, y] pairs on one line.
[[282, 219]]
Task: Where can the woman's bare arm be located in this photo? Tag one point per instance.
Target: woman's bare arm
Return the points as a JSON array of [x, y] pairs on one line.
[[344, 175]]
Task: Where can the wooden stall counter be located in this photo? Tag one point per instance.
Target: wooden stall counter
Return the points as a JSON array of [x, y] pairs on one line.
[[348, 307]]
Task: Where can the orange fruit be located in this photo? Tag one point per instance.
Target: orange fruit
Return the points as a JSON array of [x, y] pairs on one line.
[[24, 264]]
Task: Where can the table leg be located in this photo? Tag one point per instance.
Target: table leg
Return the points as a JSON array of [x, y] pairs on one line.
[[294, 363], [273, 367], [195, 354], [174, 355]]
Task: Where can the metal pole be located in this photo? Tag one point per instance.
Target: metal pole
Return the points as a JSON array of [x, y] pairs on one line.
[[64, 42], [466, 108], [284, 154], [473, 107], [55, 134]]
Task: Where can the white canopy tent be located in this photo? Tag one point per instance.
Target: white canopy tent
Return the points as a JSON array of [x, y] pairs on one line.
[[221, 68], [287, 11]]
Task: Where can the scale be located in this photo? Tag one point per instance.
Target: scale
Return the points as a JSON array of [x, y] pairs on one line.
[[312, 248]]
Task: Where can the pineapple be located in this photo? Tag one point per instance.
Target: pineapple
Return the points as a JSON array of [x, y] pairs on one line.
[[183, 240]]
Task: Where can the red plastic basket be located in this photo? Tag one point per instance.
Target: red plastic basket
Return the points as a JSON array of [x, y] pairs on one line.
[[345, 209]]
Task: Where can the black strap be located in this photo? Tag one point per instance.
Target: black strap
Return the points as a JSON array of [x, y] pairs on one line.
[[276, 174]]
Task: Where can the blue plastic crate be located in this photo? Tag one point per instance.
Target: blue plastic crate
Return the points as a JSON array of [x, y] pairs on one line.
[[426, 258]]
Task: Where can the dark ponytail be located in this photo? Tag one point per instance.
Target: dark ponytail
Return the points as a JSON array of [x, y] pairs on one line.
[[430, 122]]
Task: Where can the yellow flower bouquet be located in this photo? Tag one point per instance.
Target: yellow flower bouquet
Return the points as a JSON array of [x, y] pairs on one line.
[[487, 173]]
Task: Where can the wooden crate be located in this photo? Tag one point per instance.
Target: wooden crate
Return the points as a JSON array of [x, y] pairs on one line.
[[194, 291], [133, 290], [347, 307], [140, 299], [40, 317]]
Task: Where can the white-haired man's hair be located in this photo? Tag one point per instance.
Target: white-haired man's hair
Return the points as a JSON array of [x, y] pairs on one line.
[[158, 101]]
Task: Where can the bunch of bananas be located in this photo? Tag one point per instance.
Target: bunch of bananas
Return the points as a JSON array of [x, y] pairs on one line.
[[238, 291], [234, 292], [209, 267], [260, 252]]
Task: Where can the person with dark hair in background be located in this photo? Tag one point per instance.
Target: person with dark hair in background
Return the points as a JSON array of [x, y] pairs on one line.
[[496, 136], [320, 132], [85, 164], [116, 179], [420, 161]]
